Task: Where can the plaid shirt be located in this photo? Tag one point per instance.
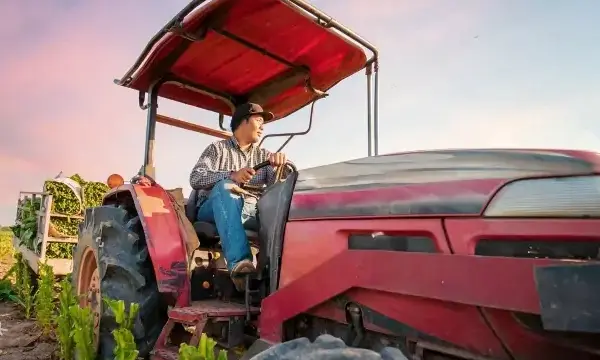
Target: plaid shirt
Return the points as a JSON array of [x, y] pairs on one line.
[[221, 158]]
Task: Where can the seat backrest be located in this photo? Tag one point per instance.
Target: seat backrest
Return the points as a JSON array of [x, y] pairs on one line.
[[190, 206]]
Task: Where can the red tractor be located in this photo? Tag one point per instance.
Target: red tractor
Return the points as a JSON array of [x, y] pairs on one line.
[[451, 254]]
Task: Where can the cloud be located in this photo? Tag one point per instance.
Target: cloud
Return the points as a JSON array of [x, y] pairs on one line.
[[439, 87], [61, 111]]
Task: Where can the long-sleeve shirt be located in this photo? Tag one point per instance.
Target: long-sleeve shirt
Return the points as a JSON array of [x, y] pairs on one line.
[[223, 157]]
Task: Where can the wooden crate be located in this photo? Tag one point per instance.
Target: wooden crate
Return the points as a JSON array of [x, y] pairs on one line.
[[44, 215]]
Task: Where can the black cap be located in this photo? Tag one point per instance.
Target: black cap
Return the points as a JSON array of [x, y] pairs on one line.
[[247, 109]]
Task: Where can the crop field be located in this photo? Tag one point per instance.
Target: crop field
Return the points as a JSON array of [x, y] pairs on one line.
[[6, 250]]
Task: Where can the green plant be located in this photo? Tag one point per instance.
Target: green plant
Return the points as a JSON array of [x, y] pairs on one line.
[[125, 348], [64, 226], [60, 250], [78, 179], [26, 227], [64, 322], [23, 283], [83, 332], [18, 272], [44, 297], [6, 247], [7, 291], [204, 351], [65, 200], [93, 193]]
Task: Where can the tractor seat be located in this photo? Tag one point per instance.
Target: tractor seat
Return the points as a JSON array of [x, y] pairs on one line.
[[207, 232], [209, 236]]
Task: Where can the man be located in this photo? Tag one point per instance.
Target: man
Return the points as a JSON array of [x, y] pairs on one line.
[[227, 163]]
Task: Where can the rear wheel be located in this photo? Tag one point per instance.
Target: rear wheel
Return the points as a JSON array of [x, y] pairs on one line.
[[111, 261]]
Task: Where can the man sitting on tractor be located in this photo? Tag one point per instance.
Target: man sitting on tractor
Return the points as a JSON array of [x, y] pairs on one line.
[[223, 166]]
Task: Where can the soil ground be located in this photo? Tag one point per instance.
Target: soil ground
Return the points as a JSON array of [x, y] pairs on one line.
[[20, 339]]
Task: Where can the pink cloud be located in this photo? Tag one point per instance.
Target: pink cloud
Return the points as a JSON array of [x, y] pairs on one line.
[[61, 110]]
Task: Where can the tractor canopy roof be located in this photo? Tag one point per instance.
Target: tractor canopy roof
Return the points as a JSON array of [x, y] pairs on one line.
[[281, 54]]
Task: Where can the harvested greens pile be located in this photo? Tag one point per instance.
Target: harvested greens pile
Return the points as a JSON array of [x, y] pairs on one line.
[[26, 227], [70, 197], [92, 193]]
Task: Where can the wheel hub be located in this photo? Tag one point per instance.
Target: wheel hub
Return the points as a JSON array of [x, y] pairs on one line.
[[88, 290]]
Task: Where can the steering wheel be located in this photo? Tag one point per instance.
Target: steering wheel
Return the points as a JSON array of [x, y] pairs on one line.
[[278, 175]]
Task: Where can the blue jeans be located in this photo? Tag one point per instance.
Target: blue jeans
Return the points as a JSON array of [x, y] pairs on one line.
[[229, 211]]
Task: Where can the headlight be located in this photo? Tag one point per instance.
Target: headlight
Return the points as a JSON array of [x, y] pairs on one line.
[[564, 197]]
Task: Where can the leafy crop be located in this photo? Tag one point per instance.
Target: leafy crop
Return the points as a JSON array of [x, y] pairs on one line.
[[83, 332], [6, 247], [59, 250], [7, 291], [65, 215], [64, 200], [78, 179], [44, 297], [64, 322], [93, 193], [26, 227], [23, 284], [126, 346], [204, 351], [65, 227]]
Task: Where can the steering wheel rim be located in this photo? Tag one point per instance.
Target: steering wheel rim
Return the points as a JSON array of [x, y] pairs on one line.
[[278, 174]]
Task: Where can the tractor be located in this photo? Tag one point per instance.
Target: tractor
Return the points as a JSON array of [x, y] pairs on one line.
[[442, 254]]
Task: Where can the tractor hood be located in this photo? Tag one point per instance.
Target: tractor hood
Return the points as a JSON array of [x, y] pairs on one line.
[[450, 182]]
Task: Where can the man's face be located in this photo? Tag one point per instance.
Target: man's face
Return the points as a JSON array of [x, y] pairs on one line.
[[253, 128]]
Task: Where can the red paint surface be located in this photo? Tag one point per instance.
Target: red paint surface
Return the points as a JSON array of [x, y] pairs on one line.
[[397, 193], [464, 233], [308, 245], [462, 325], [228, 67], [165, 244], [437, 294], [469, 280]]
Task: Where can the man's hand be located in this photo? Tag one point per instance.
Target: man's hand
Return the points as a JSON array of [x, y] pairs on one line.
[[243, 176], [277, 159]]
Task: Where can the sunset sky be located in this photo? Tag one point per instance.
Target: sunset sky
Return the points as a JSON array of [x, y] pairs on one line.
[[468, 73]]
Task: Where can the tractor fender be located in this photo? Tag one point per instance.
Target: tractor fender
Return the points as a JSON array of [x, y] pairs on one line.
[[166, 245]]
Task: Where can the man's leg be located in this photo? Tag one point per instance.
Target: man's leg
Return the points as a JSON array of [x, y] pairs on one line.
[[225, 209]]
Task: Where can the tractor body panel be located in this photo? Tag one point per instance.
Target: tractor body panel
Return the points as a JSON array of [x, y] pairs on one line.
[[404, 237], [428, 183], [166, 245]]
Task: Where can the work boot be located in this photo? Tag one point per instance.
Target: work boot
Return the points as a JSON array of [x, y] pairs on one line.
[[239, 272]]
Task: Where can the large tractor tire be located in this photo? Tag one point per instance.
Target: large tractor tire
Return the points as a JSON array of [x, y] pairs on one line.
[[325, 347], [111, 260]]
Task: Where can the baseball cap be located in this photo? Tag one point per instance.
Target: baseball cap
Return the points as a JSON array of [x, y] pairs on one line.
[[247, 109]]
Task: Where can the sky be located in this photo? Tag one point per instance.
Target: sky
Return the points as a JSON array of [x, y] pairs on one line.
[[453, 74]]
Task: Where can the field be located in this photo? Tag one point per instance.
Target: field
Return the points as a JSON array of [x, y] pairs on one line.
[[6, 250], [21, 338]]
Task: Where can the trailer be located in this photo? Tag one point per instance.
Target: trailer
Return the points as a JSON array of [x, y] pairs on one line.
[[36, 251]]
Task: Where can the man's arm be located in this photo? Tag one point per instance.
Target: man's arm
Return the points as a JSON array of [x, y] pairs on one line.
[[206, 173]]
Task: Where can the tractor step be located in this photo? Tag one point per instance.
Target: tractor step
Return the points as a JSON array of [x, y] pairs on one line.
[[198, 315], [209, 309]]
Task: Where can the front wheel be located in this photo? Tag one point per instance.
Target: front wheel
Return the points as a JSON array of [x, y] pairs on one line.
[[111, 261]]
